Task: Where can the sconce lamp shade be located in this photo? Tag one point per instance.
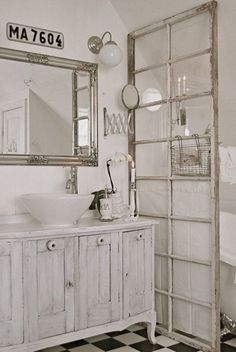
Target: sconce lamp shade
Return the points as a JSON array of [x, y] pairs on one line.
[[109, 53]]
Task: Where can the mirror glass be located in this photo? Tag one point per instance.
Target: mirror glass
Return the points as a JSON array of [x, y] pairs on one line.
[[130, 96], [48, 110]]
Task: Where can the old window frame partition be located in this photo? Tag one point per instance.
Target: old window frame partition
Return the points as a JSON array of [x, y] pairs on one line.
[[211, 8]]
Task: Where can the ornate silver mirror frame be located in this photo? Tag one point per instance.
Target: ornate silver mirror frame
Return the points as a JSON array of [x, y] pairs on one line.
[[76, 157]]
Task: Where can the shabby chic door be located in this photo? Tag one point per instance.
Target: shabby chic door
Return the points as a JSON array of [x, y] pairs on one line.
[[11, 293], [49, 275], [99, 280], [137, 272]]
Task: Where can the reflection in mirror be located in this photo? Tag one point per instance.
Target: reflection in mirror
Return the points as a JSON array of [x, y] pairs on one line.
[[130, 96], [149, 96], [83, 111], [49, 109]]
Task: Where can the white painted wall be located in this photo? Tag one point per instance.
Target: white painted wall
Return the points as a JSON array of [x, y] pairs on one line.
[[78, 20]]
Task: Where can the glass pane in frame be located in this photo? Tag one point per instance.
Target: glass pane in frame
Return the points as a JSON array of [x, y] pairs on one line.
[[188, 194], [192, 240], [151, 124], [192, 280], [152, 85], [192, 116], [161, 236], [192, 319], [190, 35], [151, 49], [153, 197], [161, 273], [161, 304], [151, 159], [191, 76]]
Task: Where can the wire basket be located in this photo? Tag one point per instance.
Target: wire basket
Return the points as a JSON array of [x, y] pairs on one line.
[[191, 159]]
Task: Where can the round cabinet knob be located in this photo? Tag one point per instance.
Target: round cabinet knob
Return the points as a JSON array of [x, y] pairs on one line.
[[140, 236], [100, 240], [51, 245], [69, 284]]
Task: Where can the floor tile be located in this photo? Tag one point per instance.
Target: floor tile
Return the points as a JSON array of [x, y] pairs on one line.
[[54, 349], [143, 333], [181, 347], [227, 337], [227, 348], [165, 349], [130, 338], [165, 341], [135, 327], [86, 348], [146, 346], [124, 349], [117, 333], [231, 342], [74, 344], [108, 344], [97, 338]]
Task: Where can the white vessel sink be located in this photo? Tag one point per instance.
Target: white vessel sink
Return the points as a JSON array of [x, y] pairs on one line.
[[57, 209]]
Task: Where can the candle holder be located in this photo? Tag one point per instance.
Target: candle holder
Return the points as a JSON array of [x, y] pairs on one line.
[[133, 202]]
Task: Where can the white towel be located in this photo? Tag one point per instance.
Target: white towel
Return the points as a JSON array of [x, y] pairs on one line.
[[232, 155], [228, 164]]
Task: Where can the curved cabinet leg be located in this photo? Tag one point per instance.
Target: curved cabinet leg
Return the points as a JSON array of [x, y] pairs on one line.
[[151, 328]]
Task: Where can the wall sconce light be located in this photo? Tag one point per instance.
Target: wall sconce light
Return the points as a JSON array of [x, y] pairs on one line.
[[109, 52]]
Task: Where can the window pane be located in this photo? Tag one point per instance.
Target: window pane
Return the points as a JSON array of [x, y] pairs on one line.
[[155, 79], [192, 116], [151, 124], [192, 240], [192, 319], [151, 49], [191, 76], [151, 159], [153, 196], [187, 194], [190, 35]]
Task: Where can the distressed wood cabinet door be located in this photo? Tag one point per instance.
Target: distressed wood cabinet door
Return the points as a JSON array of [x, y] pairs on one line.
[[99, 280], [137, 271], [11, 293], [49, 272]]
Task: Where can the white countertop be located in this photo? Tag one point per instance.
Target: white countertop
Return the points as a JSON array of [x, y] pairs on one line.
[[85, 226]]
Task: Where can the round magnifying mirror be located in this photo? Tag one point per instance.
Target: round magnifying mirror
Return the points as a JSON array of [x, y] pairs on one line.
[[130, 96]]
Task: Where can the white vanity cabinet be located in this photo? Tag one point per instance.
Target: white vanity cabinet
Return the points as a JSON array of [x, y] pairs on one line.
[[49, 287], [61, 285], [11, 293]]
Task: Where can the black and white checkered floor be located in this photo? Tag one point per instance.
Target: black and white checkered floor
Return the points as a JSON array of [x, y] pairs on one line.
[[133, 339]]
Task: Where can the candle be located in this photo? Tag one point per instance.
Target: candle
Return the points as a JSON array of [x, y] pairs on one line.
[[132, 172], [132, 203], [179, 83], [184, 85]]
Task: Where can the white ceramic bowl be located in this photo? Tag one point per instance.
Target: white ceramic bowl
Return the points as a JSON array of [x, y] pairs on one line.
[[56, 209]]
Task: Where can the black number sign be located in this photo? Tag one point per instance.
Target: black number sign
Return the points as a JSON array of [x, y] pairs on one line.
[[33, 35]]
